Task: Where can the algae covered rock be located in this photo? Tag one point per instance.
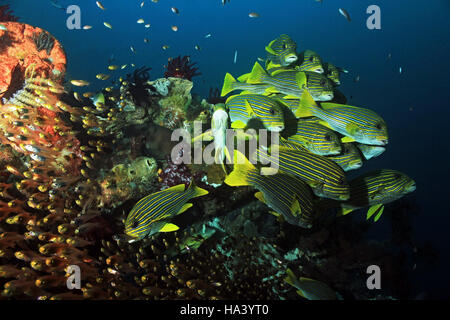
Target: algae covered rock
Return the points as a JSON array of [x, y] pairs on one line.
[[131, 180], [174, 106]]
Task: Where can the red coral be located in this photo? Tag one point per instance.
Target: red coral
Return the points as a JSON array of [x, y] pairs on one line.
[[180, 67], [6, 14]]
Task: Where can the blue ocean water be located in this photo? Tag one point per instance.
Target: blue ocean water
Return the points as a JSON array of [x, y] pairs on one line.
[[414, 103]]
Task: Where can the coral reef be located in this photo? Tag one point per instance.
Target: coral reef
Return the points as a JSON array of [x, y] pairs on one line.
[[19, 54], [181, 67], [72, 166]]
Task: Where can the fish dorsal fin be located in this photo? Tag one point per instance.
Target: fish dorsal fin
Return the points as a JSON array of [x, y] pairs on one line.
[[278, 72], [198, 192], [260, 196], [229, 98], [257, 74], [169, 227], [306, 105], [177, 188], [375, 209], [185, 207]]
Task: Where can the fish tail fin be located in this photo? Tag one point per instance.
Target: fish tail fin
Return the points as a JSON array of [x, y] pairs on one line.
[[241, 167], [227, 84], [257, 74], [198, 192], [306, 105], [291, 278]]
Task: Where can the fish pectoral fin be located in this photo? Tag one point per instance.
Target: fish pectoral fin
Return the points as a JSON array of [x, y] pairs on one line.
[[347, 139], [185, 207], [238, 124], [260, 196], [375, 209], [169, 227], [352, 128], [249, 109], [301, 79], [295, 208]]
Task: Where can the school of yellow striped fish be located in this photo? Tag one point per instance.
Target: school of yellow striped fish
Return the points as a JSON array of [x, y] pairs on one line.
[[328, 140]]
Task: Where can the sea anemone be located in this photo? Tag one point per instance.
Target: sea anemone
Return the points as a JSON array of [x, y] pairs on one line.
[[180, 67]]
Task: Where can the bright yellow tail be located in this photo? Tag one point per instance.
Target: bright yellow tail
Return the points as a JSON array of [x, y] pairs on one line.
[[227, 84], [241, 167]]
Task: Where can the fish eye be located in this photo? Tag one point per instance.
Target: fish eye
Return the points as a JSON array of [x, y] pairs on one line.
[[284, 46], [397, 176], [322, 83], [340, 181], [311, 59], [378, 126], [328, 137], [272, 112]]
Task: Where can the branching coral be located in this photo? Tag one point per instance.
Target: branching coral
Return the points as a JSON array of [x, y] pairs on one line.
[[6, 14], [180, 67], [215, 97], [43, 41]]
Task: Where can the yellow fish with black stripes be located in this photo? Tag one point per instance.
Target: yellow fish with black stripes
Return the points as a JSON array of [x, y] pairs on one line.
[[290, 197], [152, 213]]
